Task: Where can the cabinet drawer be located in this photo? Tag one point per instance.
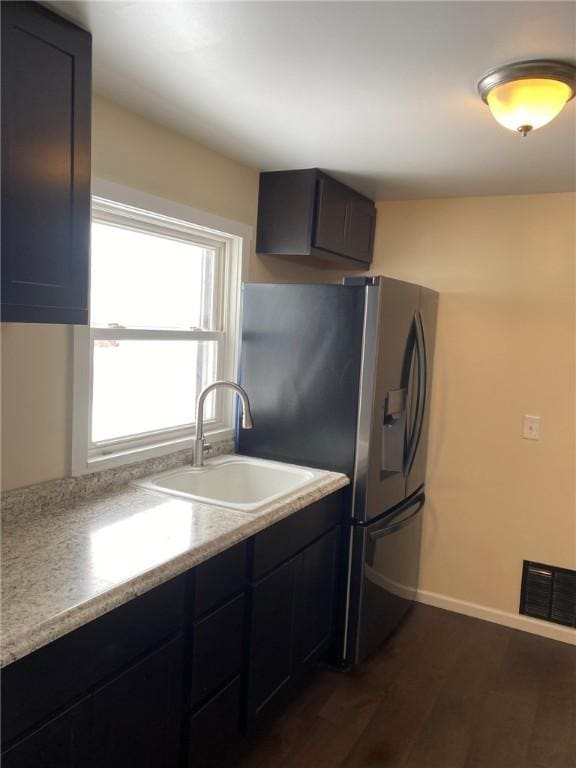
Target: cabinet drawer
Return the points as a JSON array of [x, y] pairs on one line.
[[219, 579], [217, 647], [43, 682], [286, 538], [214, 726]]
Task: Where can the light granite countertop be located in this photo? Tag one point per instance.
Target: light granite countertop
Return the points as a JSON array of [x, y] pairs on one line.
[[70, 564]]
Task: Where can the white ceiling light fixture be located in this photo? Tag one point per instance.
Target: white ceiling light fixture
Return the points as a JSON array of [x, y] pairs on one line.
[[528, 94]]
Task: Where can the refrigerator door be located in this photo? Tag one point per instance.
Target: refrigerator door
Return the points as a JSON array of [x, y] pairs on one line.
[[384, 408], [420, 391], [300, 365], [386, 564]]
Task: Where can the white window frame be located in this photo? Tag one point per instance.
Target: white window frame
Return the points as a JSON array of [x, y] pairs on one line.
[[115, 203]]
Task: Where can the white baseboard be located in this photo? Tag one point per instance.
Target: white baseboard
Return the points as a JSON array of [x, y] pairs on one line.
[[515, 621]]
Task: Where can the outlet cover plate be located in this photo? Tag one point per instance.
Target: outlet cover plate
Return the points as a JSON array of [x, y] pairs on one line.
[[531, 427]]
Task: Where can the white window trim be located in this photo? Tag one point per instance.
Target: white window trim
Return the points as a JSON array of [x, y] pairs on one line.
[[237, 238]]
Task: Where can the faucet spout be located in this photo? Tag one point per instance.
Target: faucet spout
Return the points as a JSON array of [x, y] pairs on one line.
[[247, 423]]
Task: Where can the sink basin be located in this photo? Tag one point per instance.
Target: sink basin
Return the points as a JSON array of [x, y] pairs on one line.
[[234, 482]]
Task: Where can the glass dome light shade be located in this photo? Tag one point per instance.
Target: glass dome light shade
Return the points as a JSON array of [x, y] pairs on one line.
[[528, 103]]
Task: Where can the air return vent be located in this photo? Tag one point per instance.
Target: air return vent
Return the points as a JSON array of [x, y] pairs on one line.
[[548, 593]]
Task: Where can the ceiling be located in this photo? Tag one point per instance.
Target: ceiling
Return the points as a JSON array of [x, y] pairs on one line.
[[380, 94]]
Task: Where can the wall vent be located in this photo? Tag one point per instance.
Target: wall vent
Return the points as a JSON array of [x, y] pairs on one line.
[[548, 593]]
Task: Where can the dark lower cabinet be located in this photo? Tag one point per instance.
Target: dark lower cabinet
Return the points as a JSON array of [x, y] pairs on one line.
[[315, 594], [63, 742], [213, 730], [217, 650], [291, 625], [172, 678], [271, 637], [47, 681], [132, 722], [137, 717]]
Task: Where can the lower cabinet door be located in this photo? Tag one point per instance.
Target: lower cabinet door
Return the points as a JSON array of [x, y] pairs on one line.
[[64, 742], [137, 716], [271, 637], [292, 623], [214, 728], [315, 594]]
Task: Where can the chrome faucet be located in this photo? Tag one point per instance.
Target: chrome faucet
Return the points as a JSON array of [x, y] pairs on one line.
[[201, 445]]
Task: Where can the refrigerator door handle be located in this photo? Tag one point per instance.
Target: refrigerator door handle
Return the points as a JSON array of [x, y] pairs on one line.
[[422, 367], [397, 523]]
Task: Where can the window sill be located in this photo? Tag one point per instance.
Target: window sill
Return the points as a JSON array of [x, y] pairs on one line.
[[142, 453]]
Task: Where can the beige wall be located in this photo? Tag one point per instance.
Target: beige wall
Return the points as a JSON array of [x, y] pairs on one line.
[[506, 346], [505, 269], [36, 393], [130, 150], [36, 360]]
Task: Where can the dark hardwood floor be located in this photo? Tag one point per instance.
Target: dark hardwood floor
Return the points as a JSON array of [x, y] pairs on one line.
[[447, 691]]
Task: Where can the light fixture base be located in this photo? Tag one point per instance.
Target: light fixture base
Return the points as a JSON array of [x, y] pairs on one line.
[[524, 129], [545, 69]]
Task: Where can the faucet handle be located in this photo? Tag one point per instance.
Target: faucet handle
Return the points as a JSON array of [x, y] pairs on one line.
[[206, 447]]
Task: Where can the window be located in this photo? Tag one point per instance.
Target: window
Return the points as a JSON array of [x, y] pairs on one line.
[[164, 298]]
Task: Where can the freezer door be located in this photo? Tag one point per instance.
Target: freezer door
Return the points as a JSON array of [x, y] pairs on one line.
[[388, 351], [300, 365], [386, 559], [420, 389]]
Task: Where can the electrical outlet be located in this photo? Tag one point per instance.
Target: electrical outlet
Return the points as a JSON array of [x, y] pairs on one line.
[[531, 428]]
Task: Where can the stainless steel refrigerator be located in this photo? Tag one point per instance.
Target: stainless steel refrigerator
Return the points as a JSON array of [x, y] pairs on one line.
[[339, 377]]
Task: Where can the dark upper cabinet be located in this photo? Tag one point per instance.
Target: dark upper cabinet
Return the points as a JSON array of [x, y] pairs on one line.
[[307, 213], [46, 101], [330, 232], [360, 224]]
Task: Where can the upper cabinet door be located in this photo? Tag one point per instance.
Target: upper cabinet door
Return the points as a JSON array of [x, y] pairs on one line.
[[46, 99], [331, 216], [344, 221], [307, 213], [360, 224]]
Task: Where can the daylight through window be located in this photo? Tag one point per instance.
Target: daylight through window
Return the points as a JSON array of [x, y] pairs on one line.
[[161, 327]]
